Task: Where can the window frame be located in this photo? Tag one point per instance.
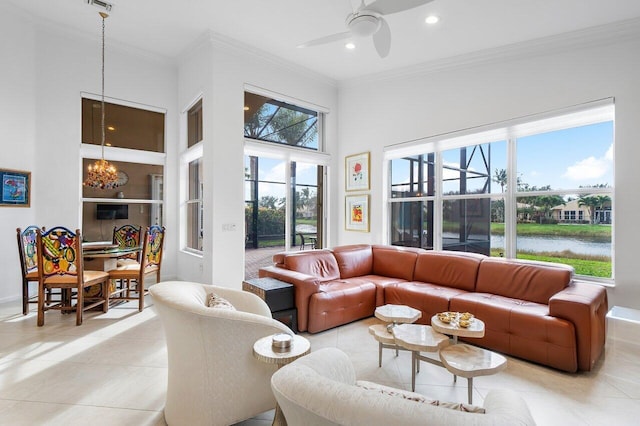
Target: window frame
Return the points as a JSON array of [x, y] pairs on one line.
[[192, 151], [90, 151], [509, 131]]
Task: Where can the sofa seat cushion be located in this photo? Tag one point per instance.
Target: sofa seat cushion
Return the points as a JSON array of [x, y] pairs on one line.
[[428, 298], [521, 328], [448, 268], [381, 284], [340, 302], [521, 279]]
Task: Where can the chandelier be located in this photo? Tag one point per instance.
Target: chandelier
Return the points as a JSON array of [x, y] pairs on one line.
[[101, 174]]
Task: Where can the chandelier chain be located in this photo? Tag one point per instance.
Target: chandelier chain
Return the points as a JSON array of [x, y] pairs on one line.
[[102, 96]]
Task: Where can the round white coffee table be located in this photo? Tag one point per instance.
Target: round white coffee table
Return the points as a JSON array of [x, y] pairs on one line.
[[469, 361], [264, 351], [419, 338]]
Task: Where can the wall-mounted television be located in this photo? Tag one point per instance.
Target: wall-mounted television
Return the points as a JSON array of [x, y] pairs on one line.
[[112, 211]]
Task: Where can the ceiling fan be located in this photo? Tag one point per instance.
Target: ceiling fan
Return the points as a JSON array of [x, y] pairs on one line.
[[368, 20]]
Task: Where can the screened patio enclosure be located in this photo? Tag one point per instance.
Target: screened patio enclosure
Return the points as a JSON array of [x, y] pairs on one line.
[[465, 221]]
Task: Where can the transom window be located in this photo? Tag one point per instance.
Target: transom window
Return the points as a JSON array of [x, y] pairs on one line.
[[271, 120]]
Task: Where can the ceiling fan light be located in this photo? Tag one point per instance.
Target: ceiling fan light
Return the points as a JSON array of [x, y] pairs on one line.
[[364, 25], [350, 46]]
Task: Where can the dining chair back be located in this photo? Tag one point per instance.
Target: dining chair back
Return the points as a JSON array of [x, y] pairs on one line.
[[28, 252], [60, 261], [132, 275], [128, 236]]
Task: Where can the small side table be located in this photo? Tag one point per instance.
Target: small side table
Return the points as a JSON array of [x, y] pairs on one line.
[[278, 295], [263, 351]]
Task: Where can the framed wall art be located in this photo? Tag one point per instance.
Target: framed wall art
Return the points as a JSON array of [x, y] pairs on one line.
[[357, 172], [357, 213], [16, 188]]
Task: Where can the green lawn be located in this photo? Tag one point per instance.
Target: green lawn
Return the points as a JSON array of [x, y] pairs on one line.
[[594, 267], [599, 232]]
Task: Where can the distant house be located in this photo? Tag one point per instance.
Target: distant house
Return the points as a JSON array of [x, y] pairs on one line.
[[572, 212]]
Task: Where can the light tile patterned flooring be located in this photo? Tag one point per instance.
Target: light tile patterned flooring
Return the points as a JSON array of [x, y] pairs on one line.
[[112, 371]]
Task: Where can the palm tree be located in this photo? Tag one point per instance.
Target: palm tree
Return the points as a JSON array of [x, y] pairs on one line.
[[500, 178], [593, 203]]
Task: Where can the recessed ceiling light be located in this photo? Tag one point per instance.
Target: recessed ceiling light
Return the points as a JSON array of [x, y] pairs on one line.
[[432, 19], [350, 46]]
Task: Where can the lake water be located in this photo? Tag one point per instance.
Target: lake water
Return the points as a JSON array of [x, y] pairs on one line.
[[538, 244]]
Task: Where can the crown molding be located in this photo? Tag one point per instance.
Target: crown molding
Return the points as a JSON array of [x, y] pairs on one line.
[[589, 37], [233, 46]]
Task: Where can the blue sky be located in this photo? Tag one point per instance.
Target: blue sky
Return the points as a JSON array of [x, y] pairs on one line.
[[564, 159]]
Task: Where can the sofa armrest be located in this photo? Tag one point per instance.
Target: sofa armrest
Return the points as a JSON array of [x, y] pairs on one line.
[[305, 285], [584, 305]]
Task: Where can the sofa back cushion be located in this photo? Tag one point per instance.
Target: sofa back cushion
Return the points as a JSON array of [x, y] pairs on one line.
[[317, 263], [450, 269], [521, 279], [354, 260], [395, 262]]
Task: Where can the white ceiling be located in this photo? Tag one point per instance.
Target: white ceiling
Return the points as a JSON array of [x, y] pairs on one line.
[[169, 27]]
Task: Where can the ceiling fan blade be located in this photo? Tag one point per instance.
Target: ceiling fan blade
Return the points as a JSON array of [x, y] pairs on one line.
[[327, 39], [387, 7], [382, 39]]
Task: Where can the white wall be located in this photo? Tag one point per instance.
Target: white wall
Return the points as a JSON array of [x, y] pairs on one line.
[[231, 67], [47, 71], [377, 113], [17, 136]]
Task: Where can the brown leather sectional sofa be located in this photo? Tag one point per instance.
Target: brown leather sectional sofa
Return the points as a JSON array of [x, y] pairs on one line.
[[531, 310]]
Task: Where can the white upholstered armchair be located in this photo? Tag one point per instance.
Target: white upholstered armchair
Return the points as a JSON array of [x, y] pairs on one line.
[[321, 389], [213, 377]]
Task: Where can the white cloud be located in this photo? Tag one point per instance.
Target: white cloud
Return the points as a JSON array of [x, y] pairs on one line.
[[609, 154], [589, 168]]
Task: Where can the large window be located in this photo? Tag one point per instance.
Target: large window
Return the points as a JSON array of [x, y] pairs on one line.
[[273, 201], [535, 189], [192, 167], [134, 144], [284, 171]]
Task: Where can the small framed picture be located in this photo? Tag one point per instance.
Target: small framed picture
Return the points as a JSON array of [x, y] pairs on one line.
[[357, 172], [357, 213], [16, 188]]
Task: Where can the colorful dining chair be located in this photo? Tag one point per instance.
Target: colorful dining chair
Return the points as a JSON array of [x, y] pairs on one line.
[[60, 261], [128, 236], [132, 275], [27, 249]]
